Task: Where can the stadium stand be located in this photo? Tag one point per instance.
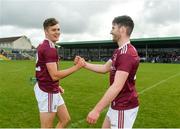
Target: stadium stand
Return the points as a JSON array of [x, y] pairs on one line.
[[160, 50], [155, 50], [16, 48], [3, 57]]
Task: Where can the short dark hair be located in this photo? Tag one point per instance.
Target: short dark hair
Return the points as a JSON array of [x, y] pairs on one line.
[[124, 21], [49, 22]]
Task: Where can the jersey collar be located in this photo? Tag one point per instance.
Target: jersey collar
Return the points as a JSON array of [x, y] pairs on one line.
[[50, 43], [128, 42]]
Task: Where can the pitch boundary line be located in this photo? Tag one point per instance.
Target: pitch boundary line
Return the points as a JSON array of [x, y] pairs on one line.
[[141, 92], [160, 82]]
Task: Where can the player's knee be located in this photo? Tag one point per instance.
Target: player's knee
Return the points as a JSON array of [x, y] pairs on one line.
[[46, 125], [67, 120]]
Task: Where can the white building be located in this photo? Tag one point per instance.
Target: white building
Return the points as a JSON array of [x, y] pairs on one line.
[[19, 42]]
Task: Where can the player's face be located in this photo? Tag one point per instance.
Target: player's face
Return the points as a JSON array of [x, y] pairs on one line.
[[53, 33], [115, 31]]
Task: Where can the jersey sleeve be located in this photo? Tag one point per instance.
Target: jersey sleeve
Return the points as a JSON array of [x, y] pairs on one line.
[[50, 55], [124, 63]]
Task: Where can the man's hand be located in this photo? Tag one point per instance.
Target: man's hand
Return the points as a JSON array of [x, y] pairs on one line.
[[76, 59], [79, 62], [61, 90], [92, 117]]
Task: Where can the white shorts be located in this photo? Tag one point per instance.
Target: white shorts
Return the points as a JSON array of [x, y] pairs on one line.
[[122, 118], [47, 102]]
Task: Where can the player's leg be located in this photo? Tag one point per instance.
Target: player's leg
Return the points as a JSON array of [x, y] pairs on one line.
[[110, 119], [47, 119], [106, 123], [45, 104], [63, 116], [47, 110]]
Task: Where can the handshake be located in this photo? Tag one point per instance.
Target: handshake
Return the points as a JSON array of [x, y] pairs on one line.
[[79, 62]]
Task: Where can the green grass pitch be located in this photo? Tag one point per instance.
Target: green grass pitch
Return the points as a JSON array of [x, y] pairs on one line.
[[158, 86]]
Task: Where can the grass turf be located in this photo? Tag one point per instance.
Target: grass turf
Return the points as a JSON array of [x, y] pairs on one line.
[[157, 85]]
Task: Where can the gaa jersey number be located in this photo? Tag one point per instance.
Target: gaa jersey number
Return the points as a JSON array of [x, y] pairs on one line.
[[37, 68]]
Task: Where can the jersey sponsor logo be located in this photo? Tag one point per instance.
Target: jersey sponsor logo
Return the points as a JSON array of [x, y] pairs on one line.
[[114, 57], [113, 62]]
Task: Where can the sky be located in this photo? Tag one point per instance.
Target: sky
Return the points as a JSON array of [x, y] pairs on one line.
[[87, 20]]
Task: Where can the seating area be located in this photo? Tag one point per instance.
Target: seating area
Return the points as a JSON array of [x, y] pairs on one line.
[[12, 54]]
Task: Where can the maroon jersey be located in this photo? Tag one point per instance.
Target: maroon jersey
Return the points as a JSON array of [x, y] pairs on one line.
[[125, 59], [46, 53]]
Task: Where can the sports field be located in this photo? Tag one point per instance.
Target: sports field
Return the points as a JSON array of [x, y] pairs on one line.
[[158, 86]]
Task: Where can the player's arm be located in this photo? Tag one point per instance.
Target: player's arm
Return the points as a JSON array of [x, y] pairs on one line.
[[113, 91], [98, 67], [56, 75], [109, 96]]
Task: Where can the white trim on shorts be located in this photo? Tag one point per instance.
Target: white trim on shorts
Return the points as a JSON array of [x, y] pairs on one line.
[[120, 119], [47, 102]]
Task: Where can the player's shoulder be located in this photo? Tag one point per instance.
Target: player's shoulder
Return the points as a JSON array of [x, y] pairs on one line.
[[123, 49], [46, 45], [43, 46], [131, 49], [127, 50]]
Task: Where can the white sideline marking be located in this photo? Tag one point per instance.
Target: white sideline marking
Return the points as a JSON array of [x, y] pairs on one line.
[[141, 92], [160, 82]]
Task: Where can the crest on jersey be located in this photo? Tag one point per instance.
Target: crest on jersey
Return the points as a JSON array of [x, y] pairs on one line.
[[113, 62]]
